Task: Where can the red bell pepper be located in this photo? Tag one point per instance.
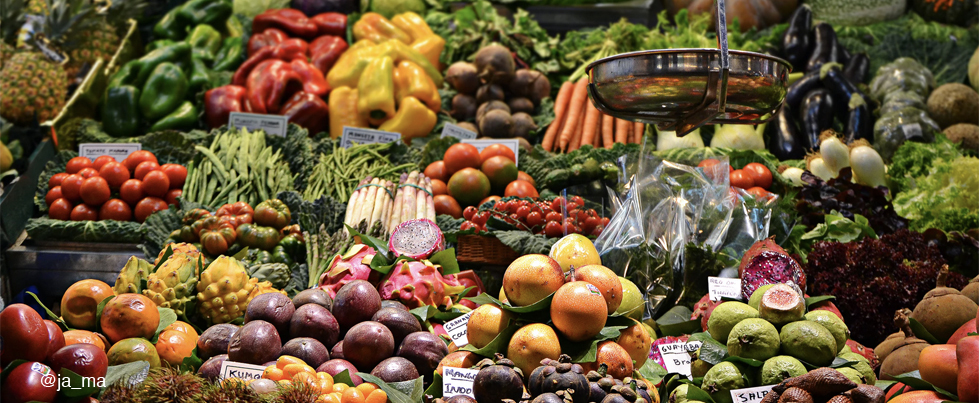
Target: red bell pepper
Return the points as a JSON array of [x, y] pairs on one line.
[[291, 49], [219, 103], [313, 80], [331, 24], [325, 51], [238, 213], [270, 37], [241, 75], [287, 19], [269, 84], [307, 110]]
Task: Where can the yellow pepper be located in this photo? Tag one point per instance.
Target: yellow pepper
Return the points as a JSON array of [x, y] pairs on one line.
[[350, 65], [413, 119], [411, 80], [412, 24], [375, 27], [401, 52], [376, 90], [343, 111], [431, 47]]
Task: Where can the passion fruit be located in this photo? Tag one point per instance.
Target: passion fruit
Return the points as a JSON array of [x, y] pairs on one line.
[[531, 278], [579, 311]]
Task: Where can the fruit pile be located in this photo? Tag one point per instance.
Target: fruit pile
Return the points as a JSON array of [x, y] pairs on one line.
[[466, 176], [554, 219], [754, 178], [288, 370], [264, 229], [108, 190]]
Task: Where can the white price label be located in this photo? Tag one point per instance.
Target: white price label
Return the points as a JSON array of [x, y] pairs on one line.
[[676, 356], [718, 287], [512, 144], [360, 135], [750, 395], [272, 124], [119, 151], [240, 370], [456, 328], [458, 381], [451, 130]]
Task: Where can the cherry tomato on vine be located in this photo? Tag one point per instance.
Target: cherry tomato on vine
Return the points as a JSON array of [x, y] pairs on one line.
[[535, 218], [469, 212], [553, 216], [481, 218], [553, 229]]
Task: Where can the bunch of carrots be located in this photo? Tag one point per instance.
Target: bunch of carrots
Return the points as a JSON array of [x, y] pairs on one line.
[[577, 122]]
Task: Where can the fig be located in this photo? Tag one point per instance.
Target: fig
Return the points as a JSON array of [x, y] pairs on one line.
[[904, 357], [255, 343], [211, 369], [498, 381], [401, 323], [395, 369], [274, 308], [425, 350], [315, 321], [313, 296], [307, 349], [214, 341], [356, 302], [944, 309], [336, 366], [367, 344]]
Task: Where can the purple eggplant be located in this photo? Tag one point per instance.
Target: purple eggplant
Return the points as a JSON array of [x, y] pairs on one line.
[[314, 7], [816, 115], [784, 140], [860, 124], [798, 90], [795, 41], [857, 68], [824, 47]]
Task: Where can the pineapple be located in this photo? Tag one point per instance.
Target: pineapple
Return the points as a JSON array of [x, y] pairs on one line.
[[37, 7], [101, 39]]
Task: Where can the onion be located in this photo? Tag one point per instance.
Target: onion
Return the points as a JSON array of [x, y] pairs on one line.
[[738, 137], [867, 165], [836, 155], [794, 175], [666, 140], [817, 166]]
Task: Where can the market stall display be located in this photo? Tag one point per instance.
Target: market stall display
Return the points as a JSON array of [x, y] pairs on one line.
[[405, 201]]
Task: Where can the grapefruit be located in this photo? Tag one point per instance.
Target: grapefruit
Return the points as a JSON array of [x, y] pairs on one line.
[[578, 310], [531, 278]]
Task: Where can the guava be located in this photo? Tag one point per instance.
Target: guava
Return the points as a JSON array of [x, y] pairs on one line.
[[808, 341], [753, 338], [780, 368], [832, 323], [725, 316]]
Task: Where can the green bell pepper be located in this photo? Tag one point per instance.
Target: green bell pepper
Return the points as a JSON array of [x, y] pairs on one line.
[[231, 54], [175, 53], [120, 111], [254, 236], [199, 75], [184, 118], [205, 42], [233, 27], [171, 26], [205, 11], [126, 75], [159, 43], [164, 91], [293, 245], [258, 256], [273, 213], [279, 255]]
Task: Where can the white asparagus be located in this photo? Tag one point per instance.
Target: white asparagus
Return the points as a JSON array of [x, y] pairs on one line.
[[421, 208], [430, 198], [386, 207], [396, 207], [408, 208], [379, 200], [368, 203], [350, 205], [355, 218]]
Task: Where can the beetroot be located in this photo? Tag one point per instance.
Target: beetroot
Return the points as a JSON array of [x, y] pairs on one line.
[[417, 284], [418, 239], [767, 263], [352, 265]]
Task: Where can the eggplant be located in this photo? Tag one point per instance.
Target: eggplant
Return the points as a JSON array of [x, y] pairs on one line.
[[857, 68], [824, 47], [795, 41], [842, 55], [784, 140], [860, 124], [798, 90], [816, 115], [842, 91]]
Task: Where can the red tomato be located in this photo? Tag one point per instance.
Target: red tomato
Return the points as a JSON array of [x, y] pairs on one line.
[[145, 167], [439, 188], [520, 188], [172, 196], [739, 179], [711, 162], [535, 218], [155, 183], [758, 192], [149, 206], [71, 187], [494, 150], [77, 164], [95, 191], [553, 229], [134, 159], [101, 161], [436, 170], [60, 209], [131, 191], [176, 173], [84, 212], [115, 209], [459, 156], [115, 173], [759, 173], [88, 172], [56, 179], [53, 194]]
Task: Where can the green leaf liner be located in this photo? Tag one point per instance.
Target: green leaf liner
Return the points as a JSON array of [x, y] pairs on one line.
[[484, 298], [167, 317], [652, 372], [55, 318], [76, 385], [922, 333], [498, 345], [395, 395], [913, 379], [815, 300], [344, 378]]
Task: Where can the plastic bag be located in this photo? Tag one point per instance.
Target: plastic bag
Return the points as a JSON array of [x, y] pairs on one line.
[[903, 74], [906, 124]]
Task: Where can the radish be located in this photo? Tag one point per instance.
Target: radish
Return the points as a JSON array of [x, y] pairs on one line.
[[867, 165], [836, 155], [816, 165]]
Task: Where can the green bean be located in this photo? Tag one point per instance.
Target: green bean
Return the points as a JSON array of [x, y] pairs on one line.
[[218, 166]]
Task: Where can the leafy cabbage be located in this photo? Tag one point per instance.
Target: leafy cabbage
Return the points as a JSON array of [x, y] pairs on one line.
[[946, 197]]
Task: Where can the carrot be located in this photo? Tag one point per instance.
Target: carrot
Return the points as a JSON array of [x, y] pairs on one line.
[[637, 132], [598, 131], [608, 131], [622, 130], [575, 108], [576, 139], [560, 106], [592, 117]]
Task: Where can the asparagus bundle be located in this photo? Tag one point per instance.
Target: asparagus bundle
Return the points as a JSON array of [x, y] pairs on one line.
[[413, 200], [370, 202]]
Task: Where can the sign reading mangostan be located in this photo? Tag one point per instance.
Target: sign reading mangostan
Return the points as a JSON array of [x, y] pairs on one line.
[[676, 356], [456, 328], [240, 370], [458, 381]]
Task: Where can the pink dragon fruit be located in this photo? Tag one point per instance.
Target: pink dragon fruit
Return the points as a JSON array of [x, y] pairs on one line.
[[703, 309], [352, 265], [654, 353], [825, 306], [767, 263], [867, 352], [418, 239], [417, 283], [466, 279]]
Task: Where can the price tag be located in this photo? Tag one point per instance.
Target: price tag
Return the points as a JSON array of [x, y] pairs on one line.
[[119, 151], [360, 135], [240, 370], [676, 356], [272, 124], [750, 395], [451, 130], [458, 381], [718, 287], [512, 144], [913, 132], [456, 328]]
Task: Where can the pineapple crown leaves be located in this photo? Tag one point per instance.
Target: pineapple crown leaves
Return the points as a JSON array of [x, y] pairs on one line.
[[119, 11], [11, 19], [67, 16]]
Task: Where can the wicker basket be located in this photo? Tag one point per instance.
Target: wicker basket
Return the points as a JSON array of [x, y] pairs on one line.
[[484, 250]]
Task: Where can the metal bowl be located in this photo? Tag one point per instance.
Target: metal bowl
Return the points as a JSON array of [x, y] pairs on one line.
[[669, 87]]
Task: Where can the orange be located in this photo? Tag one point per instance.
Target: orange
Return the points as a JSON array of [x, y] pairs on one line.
[[81, 300], [377, 396], [605, 280], [532, 278], [173, 346], [353, 395], [83, 336], [130, 315], [183, 327], [531, 344], [579, 311]]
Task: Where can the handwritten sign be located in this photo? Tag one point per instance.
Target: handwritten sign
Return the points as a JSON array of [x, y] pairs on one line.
[[458, 381], [240, 370], [676, 356], [451, 130], [360, 135], [718, 288], [512, 144], [456, 328], [119, 151], [272, 124], [750, 395]]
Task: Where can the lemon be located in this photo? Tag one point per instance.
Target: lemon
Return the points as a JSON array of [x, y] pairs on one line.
[[574, 250]]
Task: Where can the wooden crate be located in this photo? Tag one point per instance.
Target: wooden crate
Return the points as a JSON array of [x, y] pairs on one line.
[[486, 250]]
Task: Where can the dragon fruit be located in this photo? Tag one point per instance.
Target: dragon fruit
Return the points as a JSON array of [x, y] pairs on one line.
[[767, 263], [224, 290], [352, 265], [702, 310], [864, 351], [417, 283], [825, 306], [654, 353], [465, 280], [418, 239]]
